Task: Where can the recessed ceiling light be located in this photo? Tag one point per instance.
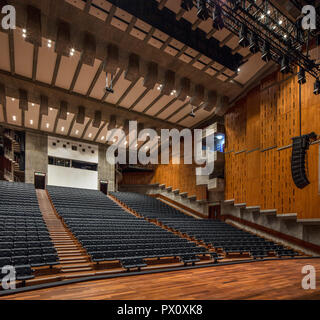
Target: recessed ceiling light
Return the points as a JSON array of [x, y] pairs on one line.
[[90, 135], [24, 31], [14, 118], [280, 22], [32, 104], [31, 121], [47, 125], [77, 131], [102, 138], [68, 113], [136, 145], [238, 69], [13, 99], [62, 129], [51, 109]]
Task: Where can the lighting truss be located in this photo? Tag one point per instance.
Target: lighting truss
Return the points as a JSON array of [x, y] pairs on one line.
[[261, 17]]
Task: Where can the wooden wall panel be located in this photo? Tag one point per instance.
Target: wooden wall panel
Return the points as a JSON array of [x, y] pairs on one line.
[[265, 120], [178, 176]]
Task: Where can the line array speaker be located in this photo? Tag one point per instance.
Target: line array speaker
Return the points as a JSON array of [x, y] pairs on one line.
[[298, 159]]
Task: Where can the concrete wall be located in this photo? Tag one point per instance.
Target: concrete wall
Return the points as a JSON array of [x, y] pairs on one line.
[[36, 155], [106, 171], [308, 233]]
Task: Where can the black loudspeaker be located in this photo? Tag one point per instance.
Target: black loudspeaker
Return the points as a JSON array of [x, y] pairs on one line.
[[298, 159]]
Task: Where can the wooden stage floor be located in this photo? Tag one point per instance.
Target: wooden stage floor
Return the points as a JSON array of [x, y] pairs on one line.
[[258, 280]]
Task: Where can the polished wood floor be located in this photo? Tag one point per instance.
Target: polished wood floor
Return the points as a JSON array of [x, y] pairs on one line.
[[259, 280]]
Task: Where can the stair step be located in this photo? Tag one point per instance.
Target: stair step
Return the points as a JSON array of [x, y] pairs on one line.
[[72, 260], [73, 266], [68, 251], [76, 269], [79, 275]]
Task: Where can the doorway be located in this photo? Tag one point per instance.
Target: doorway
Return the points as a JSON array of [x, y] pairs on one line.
[[39, 180], [104, 187], [215, 212]]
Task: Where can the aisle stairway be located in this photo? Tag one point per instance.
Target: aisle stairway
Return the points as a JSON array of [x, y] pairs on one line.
[[73, 259]]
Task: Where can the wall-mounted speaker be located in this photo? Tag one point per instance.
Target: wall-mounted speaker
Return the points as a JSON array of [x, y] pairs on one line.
[[298, 159]]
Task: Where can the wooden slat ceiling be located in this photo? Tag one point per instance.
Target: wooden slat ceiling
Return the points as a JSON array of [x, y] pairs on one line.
[[43, 65]]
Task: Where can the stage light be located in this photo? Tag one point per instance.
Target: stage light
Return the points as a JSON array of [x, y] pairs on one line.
[[316, 89], [243, 36], [254, 45], [217, 15], [302, 76], [285, 68], [266, 55], [187, 4], [202, 13]]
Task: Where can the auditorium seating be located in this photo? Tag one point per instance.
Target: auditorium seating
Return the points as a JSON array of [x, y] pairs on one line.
[[24, 238], [215, 233], [110, 233]]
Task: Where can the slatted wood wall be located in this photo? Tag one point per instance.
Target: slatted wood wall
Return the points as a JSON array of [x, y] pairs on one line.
[[257, 173], [178, 176]]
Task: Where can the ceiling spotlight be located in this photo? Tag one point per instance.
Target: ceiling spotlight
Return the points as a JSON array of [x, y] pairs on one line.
[[266, 55], [159, 87], [316, 89], [243, 36], [49, 45], [24, 31], [24, 35], [239, 70], [173, 92], [14, 118], [136, 145], [51, 109], [32, 104], [262, 16], [31, 122], [203, 12], [302, 76], [254, 45], [217, 15], [280, 22], [102, 138], [77, 131], [13, 99], [62, 129], [187, 4], [47, 125], [268, 12], [285, 68]]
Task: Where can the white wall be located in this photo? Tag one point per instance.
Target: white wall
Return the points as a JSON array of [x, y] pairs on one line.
[[67, 153], [71, 177]]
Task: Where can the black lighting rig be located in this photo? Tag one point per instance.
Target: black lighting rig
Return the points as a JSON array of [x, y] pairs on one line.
[[263, 27]]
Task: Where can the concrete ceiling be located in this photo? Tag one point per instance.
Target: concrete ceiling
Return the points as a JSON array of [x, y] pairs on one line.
[[41, 69]]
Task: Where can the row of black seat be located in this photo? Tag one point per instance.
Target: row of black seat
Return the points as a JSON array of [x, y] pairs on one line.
[[215, 233], [24, 238], [108, 232]]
